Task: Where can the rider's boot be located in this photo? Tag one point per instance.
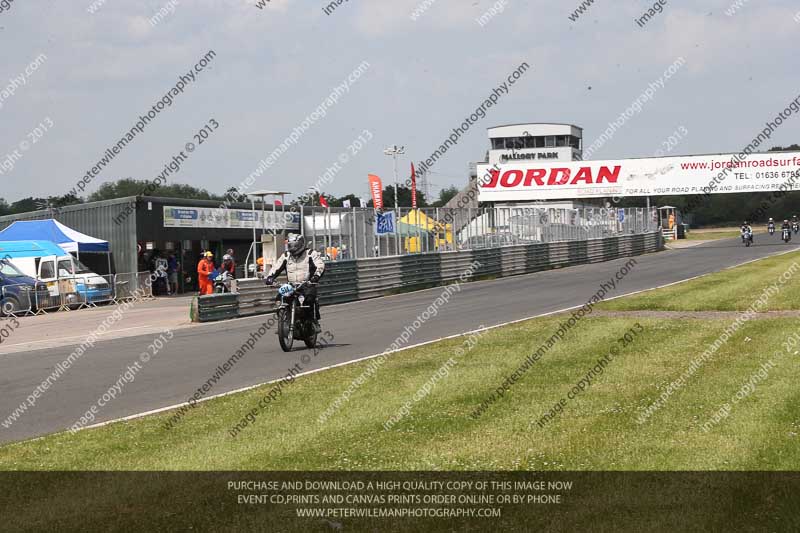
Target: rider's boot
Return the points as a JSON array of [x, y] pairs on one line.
[[317, 327]]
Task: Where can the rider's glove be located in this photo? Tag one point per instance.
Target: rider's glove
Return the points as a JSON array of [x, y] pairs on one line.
[[270, 280], [314, 279]]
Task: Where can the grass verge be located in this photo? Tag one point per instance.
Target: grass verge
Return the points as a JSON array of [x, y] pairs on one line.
[[734, 289]]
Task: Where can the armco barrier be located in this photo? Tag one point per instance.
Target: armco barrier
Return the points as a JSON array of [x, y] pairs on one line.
[[214, 307], [347, 281]]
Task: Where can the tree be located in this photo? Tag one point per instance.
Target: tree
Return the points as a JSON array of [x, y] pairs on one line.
[[132, 187], [403, 196], [28, 204], [64, 200], [233, 195], [355, 201], [794, 147], [445, 195]]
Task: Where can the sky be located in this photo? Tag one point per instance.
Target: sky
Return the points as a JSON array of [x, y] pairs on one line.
[[426, 71]]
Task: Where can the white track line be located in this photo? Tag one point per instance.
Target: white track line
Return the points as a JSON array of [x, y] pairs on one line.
[[57, 339], [366, 358]]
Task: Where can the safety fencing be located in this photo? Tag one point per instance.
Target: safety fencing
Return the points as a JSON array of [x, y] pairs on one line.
[[342, 234], [346, 281], [73, 292]]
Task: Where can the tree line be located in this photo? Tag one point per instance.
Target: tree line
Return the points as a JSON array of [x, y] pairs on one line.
[[132, 187]]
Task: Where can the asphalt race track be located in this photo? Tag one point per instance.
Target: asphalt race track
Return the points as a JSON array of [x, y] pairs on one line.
[[360, 329]]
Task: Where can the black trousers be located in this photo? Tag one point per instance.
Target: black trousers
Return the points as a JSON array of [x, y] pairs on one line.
[[312, 300], [310, 293]]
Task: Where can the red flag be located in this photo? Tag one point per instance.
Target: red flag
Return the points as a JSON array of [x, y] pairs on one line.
[[278, 202], [376, 188], [323, 202], [413, 187]]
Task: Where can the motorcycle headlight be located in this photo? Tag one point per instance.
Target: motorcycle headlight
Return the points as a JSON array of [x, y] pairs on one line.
[[301, 299]]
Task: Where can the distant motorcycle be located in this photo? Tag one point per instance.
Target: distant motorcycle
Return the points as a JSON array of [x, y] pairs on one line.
[[786, 235], [295, 318], [795, 227], [747, 237], [771, 229], [222, 282]]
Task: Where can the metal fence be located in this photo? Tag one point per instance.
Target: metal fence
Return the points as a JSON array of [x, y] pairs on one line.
[[341, 234], [72, 293]]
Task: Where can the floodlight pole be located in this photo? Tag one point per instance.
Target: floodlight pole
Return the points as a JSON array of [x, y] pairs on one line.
[[394, 151]]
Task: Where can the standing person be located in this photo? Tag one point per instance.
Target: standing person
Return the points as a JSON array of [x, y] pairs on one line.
[[204, 268], [160, 268], [173, 268]]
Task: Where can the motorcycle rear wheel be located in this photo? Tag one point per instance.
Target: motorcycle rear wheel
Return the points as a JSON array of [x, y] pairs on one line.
[[285, 334]]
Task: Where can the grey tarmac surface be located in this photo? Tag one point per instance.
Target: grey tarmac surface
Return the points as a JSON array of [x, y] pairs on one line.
[[359, 329]]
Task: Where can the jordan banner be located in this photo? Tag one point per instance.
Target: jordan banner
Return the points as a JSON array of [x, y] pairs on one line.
[[655, 176]]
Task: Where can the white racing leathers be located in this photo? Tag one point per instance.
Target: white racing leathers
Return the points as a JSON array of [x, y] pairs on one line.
[[300, 268]]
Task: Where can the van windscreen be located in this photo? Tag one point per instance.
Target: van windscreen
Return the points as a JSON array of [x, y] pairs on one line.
[[8, 270], [80, 268]]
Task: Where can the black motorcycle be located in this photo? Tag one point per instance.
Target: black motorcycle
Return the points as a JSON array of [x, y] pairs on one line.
[[786, 235], [795, 227], [747, 237], [295, 318], [771, 229]]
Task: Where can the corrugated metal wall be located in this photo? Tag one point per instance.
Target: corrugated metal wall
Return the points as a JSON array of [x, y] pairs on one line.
[[97, 220]]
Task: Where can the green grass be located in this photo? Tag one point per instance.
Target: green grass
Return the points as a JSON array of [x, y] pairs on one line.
[[596, 431], [730, 290]]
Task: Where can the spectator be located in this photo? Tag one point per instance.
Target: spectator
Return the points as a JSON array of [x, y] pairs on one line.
[[173, 269], [160, 268]]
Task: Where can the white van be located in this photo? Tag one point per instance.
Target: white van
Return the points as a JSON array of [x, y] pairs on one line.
[[49, 263]]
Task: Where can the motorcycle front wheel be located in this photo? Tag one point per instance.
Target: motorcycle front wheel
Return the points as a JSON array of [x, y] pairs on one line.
[[285, 335], [311, 338]]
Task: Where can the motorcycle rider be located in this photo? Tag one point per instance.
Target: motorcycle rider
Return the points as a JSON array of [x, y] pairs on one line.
[[747, 229], [771, 225], [786, 227], [228, 265], [301, 264]]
